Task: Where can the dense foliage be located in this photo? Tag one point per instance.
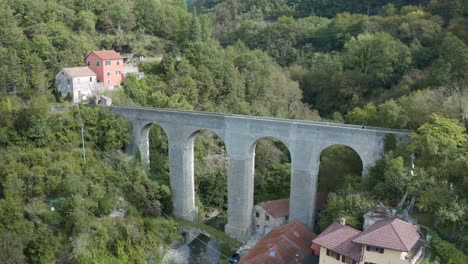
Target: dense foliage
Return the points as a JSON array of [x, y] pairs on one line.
[[398, 64], [42, 167]]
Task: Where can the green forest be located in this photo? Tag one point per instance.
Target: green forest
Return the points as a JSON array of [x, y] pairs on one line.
[[396, 64]]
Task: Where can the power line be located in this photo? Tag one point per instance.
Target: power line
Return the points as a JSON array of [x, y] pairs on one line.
[[144, 196]]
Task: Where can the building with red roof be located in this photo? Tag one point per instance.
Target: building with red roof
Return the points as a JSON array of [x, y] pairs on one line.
[[389, 241], [108, 66], [287, 244], [271, 214]]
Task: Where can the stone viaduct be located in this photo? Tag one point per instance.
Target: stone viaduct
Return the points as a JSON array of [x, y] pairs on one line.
[[304, 139]]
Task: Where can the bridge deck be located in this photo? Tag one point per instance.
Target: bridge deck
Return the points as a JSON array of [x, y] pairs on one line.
[[261, 118]]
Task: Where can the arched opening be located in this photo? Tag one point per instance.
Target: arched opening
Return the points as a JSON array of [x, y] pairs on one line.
[[339, 173], [158, 155], [210, 171], [340, 166], [272, 185]]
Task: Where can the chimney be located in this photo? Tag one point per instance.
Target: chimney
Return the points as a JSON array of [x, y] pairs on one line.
[[342, 221]]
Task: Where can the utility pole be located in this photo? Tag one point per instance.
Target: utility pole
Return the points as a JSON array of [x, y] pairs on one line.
[[82, 135], [82, 142]]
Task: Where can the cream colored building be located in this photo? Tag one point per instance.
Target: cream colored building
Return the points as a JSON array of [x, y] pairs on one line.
[[270, 214], [79, 82], [389, 241]]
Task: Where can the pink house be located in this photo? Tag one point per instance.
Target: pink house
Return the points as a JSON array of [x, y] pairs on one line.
[[108, 66]]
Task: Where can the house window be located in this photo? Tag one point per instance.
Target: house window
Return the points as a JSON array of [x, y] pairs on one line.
[[97, 63], [257, 214], [89, 63], [68, 81], [333, 254], [118, 62], [375, 249], [108, 81], [286, 218], [267, 217], [117, 72], [108, 73], [343, 258], [90, 79], [108, 63]]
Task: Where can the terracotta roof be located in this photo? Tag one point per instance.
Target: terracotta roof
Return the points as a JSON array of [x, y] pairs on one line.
[[276, 208], [390, 233], [79, 72], [107, 54], [280, 245], [339, 238], [279, 208]]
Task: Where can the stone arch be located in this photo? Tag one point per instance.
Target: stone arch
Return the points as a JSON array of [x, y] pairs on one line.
[[368, 155], [354, 148], [141, 139], [336, 161], [213, 183], [148, 125], [280, 150], [257, 139], [193, 135], [158, 150]]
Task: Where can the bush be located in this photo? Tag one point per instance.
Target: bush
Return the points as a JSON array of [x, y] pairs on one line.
[[446, 251]]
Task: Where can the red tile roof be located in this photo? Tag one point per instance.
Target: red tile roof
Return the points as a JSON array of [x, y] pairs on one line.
[[107, 54], [390, 233], [276, 208], [280, 208], [79, 72], [281, 245], [339, 238]]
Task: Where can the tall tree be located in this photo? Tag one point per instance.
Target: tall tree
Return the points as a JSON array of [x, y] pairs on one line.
[[379, 57], [451, 70], [439, 141]]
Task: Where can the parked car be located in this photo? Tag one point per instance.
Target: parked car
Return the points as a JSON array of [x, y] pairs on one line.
[[235, 258]]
